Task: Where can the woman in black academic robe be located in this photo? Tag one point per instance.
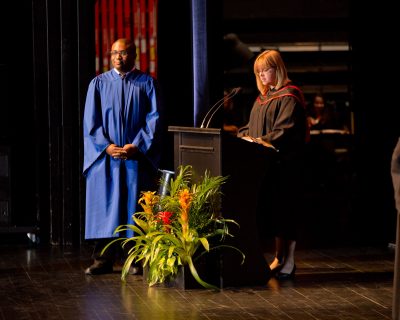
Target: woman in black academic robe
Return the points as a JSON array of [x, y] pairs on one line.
[[278, 120]]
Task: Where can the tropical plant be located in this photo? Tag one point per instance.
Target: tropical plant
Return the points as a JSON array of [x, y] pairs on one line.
[[174, 230]]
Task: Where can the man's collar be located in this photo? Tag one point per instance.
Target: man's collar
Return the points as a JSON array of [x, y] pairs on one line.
[[123, 75]]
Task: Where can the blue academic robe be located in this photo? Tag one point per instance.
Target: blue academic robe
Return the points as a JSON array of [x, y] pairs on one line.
[[111, 116]]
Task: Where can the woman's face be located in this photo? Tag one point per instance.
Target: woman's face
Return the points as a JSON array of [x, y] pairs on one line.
[[268, 76], [319, 102]]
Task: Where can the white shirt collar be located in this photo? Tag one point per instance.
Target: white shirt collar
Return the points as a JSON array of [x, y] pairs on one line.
[[121, 74]]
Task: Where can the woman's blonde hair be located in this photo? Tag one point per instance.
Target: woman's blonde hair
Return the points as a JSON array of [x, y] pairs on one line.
[[270, 59]]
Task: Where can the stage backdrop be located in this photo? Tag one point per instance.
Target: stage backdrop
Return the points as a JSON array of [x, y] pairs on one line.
[[133, 19]]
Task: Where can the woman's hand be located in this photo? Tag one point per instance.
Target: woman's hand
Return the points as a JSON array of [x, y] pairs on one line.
[[259, 141], [264, 143]]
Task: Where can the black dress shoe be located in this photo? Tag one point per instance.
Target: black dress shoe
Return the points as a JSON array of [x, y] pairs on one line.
[[286, 276], [100, 267]]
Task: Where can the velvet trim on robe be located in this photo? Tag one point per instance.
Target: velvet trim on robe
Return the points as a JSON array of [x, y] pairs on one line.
[[279, 119], [121, 118]]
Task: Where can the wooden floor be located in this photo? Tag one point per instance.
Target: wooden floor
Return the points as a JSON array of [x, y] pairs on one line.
[[337, 283]]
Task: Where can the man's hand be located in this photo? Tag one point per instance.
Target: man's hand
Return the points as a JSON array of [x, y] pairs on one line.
[[130, 150], [116, 152]]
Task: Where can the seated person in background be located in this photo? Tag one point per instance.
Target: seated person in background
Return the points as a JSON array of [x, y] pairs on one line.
[[321, 116], [325, 119]]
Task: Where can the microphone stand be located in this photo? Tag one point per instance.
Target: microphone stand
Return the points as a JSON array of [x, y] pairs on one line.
[[218, 105], [233, 93]]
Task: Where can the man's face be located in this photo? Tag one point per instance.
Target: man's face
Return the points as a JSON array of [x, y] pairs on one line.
[[122, 57]]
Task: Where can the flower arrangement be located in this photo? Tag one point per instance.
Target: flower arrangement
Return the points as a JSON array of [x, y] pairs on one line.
[[175, 229]]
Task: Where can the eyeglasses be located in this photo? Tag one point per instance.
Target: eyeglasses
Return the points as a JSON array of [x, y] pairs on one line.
[[123, 53], [265, 70]]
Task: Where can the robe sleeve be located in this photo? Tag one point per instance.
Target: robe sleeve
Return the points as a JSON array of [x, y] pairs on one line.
[[288, 124], [95, 140], [243, 131]]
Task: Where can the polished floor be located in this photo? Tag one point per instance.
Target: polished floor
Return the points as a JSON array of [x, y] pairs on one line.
[[334, 284]]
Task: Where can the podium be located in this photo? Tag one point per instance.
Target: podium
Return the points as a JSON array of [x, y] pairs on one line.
[[245, 164]]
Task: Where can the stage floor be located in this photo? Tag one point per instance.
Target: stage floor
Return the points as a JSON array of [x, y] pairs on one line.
[[335, 284]]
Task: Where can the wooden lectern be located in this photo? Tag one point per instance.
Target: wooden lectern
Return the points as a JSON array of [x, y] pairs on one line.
[[245, 164]]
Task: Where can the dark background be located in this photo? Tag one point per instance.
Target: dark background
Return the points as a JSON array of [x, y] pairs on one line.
[[47, 61]]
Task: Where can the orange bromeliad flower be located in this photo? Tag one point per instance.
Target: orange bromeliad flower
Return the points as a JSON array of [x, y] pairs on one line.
[[185, 198], [148, 200]]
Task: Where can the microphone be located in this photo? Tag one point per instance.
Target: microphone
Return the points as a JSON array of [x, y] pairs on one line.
[[211, 109], [218, 105]]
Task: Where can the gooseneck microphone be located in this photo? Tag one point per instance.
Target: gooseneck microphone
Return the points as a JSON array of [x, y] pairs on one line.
[[210, 114]]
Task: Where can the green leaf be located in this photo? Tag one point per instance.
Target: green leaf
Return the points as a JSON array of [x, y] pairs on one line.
[[197, 277], [205, 243]]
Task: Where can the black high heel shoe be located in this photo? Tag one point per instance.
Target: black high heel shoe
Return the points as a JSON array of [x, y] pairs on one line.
[[286, 276]]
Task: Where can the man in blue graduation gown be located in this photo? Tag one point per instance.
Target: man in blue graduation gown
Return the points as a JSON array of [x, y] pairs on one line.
[[121, 131]]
